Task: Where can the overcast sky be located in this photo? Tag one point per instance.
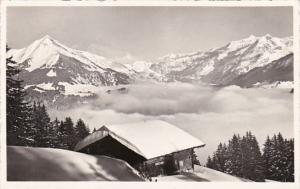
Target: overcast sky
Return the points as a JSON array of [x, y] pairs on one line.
[[144, 32]]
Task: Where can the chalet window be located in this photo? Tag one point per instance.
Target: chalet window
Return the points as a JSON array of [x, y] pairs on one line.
[[104, 133], [181, 164], [159, 163]]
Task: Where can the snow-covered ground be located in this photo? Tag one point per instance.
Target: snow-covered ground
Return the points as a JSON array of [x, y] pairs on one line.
[[201, 174], [46, 164]]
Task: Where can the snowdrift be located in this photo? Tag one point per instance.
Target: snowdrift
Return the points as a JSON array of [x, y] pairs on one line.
[[46, 164], [201, 174], [213, 175]]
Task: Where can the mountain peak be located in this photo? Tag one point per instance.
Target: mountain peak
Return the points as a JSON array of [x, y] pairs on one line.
[[252, 37], [268, 35], [47, 40], [46, 37]]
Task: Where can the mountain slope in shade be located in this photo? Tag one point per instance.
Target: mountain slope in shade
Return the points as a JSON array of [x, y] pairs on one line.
[[278, 71]]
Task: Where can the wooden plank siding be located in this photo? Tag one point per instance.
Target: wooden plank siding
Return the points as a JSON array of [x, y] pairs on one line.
[[110, 147], [182, 161]]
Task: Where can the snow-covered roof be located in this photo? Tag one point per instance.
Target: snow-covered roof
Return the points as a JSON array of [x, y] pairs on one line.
[[149, 139]]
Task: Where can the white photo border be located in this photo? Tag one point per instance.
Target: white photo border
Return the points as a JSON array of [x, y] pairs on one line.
[[132, 185]]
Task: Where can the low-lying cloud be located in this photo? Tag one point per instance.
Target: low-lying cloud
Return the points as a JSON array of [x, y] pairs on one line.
[[209, 113]]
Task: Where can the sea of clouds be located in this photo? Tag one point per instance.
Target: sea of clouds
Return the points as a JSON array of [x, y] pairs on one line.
[[211, 114]]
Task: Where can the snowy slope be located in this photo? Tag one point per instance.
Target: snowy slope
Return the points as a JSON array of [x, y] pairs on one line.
[[142, 71], [213, 175], [201, 174], [46, 164]]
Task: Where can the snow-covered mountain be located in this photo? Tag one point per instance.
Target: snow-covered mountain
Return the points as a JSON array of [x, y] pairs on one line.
[[278, 73], [52, 70], [221, 66], [51, 66]]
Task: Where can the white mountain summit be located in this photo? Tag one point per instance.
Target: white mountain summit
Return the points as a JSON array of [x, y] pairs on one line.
[[45, 52], [49, 65]]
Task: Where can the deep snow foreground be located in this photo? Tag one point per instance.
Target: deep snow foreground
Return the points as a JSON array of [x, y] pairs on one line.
[[202, 174], [46, 164]]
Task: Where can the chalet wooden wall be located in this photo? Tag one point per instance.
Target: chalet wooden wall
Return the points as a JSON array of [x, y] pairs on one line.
[[112, 148], [181, 161]]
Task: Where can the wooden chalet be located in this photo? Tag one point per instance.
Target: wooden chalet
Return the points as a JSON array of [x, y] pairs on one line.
[[153, 147]]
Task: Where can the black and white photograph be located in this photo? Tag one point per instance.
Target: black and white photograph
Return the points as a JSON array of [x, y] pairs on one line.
[[150, 93]]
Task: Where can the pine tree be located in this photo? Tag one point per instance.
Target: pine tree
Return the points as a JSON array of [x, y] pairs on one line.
[[233, 165], [257, 163], [267, 155], [215, 162], [195, 160], [252, 162], [34, 123], [290, 160], [41, 122], [54, 132], [69, 133], [243, 158], [281, 159], [221, 157], [81, 130], [18, 115], [63, 136], [209, 163], [273, 151], [278, 162]]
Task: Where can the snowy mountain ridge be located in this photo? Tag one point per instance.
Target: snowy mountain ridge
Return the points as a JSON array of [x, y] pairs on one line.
[[45, 52], [221, 65], [53, 68], [52, 71]]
